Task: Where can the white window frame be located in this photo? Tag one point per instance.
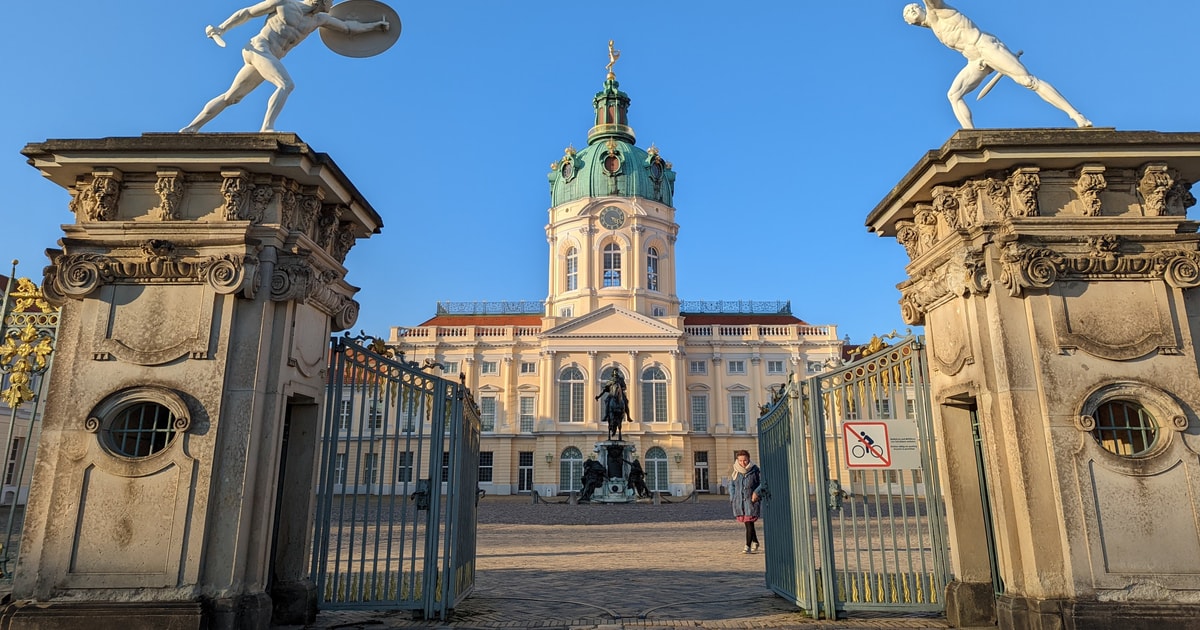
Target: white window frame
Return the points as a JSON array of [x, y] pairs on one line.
[[611, 273], [738, 406], [527, 413], [698, 405], [572, 270], [776, 366], [487, 413], [489, 368], [652, 269], [451, 368], [736, 366], [570, 396], [699, 367], [528, 367], [654, 394]]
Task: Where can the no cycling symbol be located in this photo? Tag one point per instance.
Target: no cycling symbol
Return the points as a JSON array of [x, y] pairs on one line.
[[866, 445]]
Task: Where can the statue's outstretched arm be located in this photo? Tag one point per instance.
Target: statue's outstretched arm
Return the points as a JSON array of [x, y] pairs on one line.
[[935, 4], [240, 16], [351, 27]]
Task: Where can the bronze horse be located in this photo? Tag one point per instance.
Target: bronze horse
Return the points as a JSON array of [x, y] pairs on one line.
[[615, 405]]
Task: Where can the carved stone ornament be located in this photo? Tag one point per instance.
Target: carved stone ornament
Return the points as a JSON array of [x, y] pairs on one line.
[[908, 236], [296, 279], [345, 240], [327, 224], [308, 208], [1024, 267], [235, 188], [78, 275], [1085, 423], [170, 187], [1155, 183], [927, 228], [260, 199], [1090, 184], [959, 277], [945, 203], [998, 191], [96, 199], [1025, 183]]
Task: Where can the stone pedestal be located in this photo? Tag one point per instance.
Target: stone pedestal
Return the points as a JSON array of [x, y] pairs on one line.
[[1055, 273], [199, 283]]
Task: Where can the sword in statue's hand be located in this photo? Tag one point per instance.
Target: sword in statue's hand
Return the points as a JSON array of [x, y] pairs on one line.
[[214, 34], [996, 79]]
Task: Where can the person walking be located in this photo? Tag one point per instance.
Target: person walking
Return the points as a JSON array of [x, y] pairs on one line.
[[744, 495]]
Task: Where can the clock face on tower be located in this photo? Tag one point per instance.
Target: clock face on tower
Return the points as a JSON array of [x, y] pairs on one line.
[[612, 217]]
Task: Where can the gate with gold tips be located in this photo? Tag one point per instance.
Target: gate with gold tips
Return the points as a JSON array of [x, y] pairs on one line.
[[854, 514], [28, 332], [397, 502]]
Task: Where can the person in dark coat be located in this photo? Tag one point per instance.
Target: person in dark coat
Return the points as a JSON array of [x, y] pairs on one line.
[[744, 495]]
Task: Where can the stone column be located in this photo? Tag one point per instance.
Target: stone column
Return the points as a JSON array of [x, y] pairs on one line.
[[199, 284], [1055, 273]]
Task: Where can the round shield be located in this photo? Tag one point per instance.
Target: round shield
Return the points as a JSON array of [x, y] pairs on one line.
[[366, 44]]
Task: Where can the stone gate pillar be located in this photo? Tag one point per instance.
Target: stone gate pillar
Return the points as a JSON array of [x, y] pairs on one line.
[[174, 483], [1055, 273]]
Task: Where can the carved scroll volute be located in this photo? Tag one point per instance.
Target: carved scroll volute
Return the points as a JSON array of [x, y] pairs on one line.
[[96, 198], [1025, 183], [1024, 267], [1090, 184], [1181, 269], [945, 203], [975, 276], [170, 187], [927, 227], [910, 310], [235, 188]]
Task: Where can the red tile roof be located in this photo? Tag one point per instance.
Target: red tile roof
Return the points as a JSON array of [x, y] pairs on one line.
[[721, 319]]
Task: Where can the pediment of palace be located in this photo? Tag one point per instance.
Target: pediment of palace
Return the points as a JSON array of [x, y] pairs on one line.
[[613, 322]]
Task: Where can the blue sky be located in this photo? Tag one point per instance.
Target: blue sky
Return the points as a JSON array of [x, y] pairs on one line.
[[787, 121]]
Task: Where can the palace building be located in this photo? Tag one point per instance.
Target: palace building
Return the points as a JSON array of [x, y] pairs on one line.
[[698, 372]]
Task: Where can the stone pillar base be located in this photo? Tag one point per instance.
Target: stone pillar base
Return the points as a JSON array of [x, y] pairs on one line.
[[250, 612], [103, 616], [1023, 613], [970, 604], [294, 603]]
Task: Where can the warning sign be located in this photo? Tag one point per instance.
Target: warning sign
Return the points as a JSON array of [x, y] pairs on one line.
[[866, 445], [881, 445]]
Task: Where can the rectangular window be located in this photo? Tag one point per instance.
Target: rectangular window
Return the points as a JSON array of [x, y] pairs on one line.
[[697, 367], [570, 402], [774, 367], [485, 466], [487, 413], [566, 311], [488, 367], [345, 413], [450, 369], [572, 272], [375, 413], [737, 412], [525, 471], [528, 367], [339, 469], [10, 468], [700, 468], [527, 411], [370, 469], [883, 408], [445, 466], [700, 413], [910, 408], [404, 466], [737, 367]]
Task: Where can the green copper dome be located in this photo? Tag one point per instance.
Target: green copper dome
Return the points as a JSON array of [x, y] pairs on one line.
[[611, 164]]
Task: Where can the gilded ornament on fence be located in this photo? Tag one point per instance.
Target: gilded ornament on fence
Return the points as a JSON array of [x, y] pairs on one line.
[[22, 355]]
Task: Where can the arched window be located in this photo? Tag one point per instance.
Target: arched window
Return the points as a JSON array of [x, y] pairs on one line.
[[654, 395], [652, 269], [570, 470], [1125, 428], [606, 374], [656, 470], [572, 269], [612, 265], [570, 395]]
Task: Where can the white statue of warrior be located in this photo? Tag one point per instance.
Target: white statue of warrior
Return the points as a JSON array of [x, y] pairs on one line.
[[288, 23], [984, 53]]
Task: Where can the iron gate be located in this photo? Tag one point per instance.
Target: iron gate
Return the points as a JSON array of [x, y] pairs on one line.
[[854, 513], [396, 504], [28, 334]]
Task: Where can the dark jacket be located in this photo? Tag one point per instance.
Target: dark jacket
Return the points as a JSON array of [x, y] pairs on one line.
[[740, 490]]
